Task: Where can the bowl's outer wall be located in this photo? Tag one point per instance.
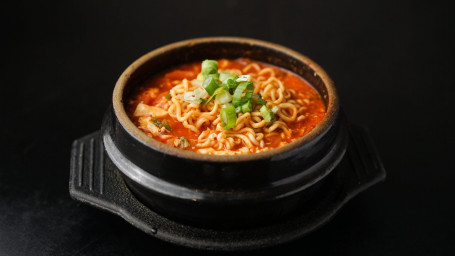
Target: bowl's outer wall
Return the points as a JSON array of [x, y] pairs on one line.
[[226, 215], [245, 175], [227, 194]]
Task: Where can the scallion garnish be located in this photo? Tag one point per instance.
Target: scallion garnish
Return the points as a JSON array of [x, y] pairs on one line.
[[267, 113], [238, 100], [243, 78], [184, 142], [224, 75], [166, 125], [209, 67], [228, 88], [230, 83], [156, 122], [259, 99], [223, 96], [162, 123], [210, 85], [167, 96], [216, 92], [191, 97], [228, 117], [247, 107], [215, 76]]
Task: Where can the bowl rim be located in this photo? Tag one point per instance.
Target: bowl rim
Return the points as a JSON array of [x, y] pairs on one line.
[[320, 129]]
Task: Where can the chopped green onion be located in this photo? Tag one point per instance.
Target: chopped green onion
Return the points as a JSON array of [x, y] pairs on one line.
[[166, 125], [230, 83], [216, 92], [228, 117], [267, 113], [223, 96], [184, 142], [161, 123], [167, 96], [224, 75], [238, 109], [243, 78], [238, 100], [215, 76], [199, 94], [232, 77], [259, 99], [247, 107], [209, 67], [190, 97], [156, 122], [261, 102], [210, 85], [195, 96], [198, 101]]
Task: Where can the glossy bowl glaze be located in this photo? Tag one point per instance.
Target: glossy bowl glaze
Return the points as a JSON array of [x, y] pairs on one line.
[[223, 191]]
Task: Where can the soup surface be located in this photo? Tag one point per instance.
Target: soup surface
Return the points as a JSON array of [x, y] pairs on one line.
[[226, 107]]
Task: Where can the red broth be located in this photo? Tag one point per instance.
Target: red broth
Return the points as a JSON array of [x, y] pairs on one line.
[[154, 92]]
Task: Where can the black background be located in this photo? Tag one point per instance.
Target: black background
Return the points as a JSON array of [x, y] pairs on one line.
[[392, 62]]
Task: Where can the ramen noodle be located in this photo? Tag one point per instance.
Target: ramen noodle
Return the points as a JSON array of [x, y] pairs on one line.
[[226, 107]]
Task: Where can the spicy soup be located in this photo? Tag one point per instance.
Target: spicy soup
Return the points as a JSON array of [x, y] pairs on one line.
[[226, 107]]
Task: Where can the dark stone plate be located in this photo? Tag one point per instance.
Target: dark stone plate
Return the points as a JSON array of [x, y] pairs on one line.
[[95, 180]]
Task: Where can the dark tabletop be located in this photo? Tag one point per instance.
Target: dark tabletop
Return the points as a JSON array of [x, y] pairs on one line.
[[392, 62]]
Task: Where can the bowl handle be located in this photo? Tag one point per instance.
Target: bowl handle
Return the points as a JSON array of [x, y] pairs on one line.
[[363, 167], [95, 181]]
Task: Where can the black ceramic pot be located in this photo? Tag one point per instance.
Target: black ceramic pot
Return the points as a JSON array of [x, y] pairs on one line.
[[223, 191], [223, 202]]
